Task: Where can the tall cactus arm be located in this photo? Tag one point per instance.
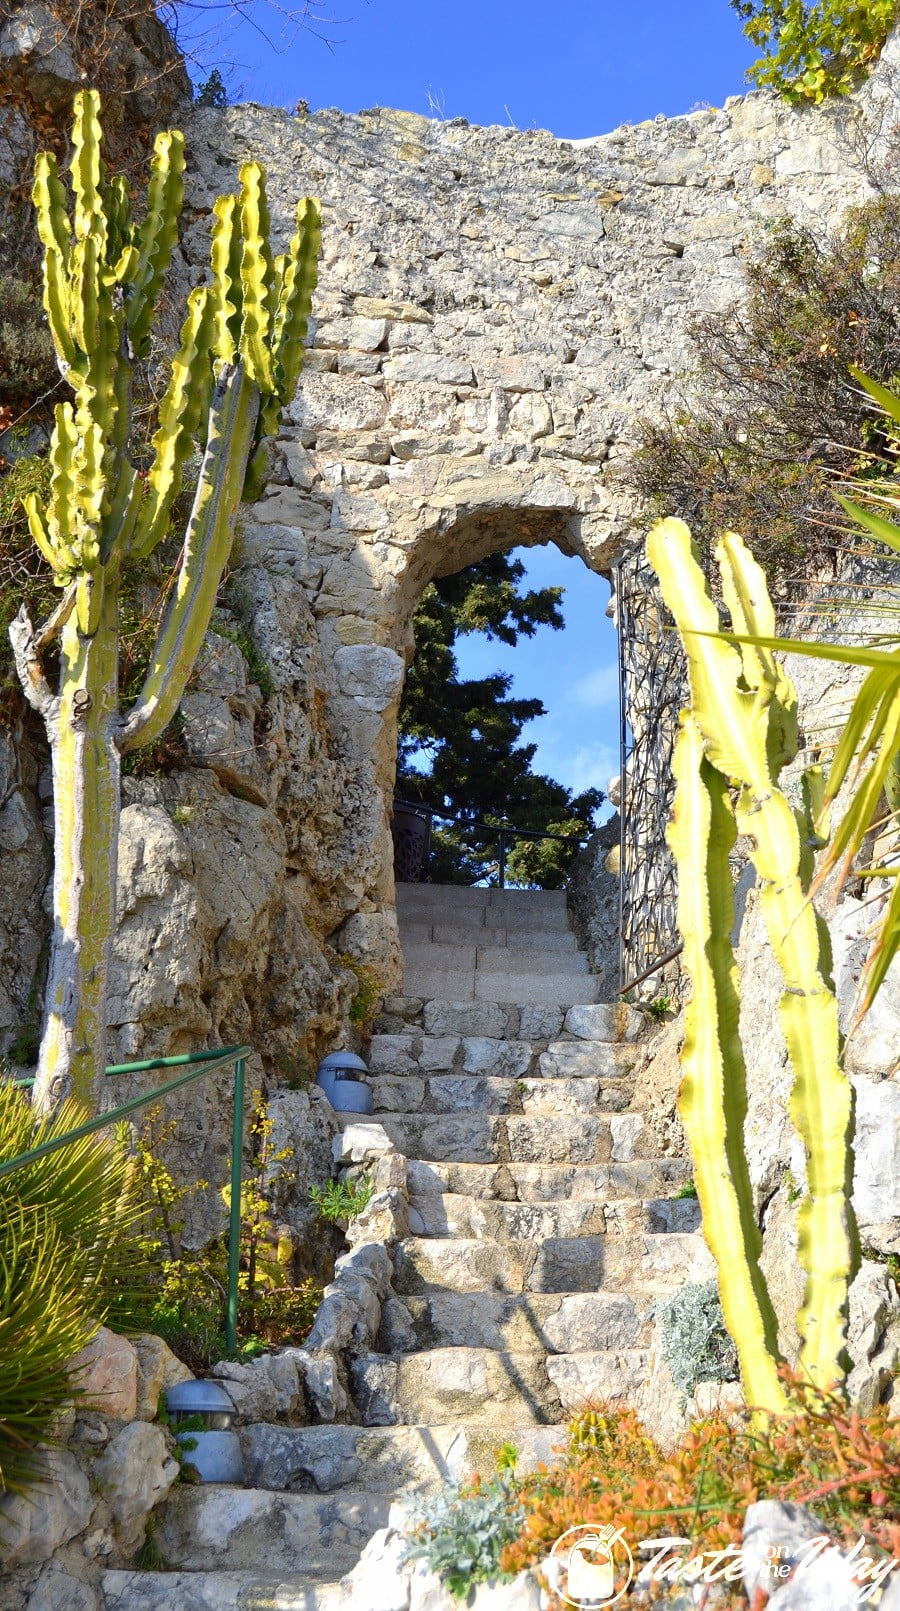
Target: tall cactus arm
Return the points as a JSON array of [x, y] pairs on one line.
[[299, 270], [737, 725], [713, 1098], [295, 281], [232, 423], [747, 601], [821, 1097], [183, 409], [225, 260], [734, 718], [50, 203], [89, 221], [157, 236], [257, 274]]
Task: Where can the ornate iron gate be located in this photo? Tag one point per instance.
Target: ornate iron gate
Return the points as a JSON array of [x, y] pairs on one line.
[[652, 691]]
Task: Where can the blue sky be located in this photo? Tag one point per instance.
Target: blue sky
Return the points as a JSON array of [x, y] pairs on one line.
[[576, 68]]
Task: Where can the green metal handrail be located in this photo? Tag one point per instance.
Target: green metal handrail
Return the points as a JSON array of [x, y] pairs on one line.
[[220, 1057]]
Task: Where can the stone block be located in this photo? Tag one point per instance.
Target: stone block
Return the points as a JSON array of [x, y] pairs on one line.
[[445, 1385], [337, 402], [54, 1510], [612, 1377], [135, 1473], [369, 674], [504, 1059], [263, 1389], [580, 1059], [56, 1590], [158, 1369], [540, 1023], [616, 1022], [429, 982], [430, 368], [627, 1131], [511, 959], [394, 1054], [360, 1142], [106, 1371], [464, 1018], [235, 1529], [438, 1052]]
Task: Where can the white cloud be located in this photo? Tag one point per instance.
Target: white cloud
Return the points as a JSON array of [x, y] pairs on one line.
[[600, 688], [591, 767]]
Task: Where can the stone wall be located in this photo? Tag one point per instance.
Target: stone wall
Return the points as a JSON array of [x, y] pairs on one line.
[[496, 308]]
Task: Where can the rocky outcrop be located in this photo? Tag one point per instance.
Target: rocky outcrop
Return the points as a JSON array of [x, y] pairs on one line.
[[49, 49]]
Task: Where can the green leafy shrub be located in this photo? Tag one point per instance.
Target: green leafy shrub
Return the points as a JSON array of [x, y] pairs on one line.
[[461, 1532], [815, 51], [65, 1220], [180, 1293], [341, 1200], [695, 1343], [774, 415]]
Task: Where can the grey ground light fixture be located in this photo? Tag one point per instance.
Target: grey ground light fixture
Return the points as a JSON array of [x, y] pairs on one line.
[[341, 1075], [215, 1449]]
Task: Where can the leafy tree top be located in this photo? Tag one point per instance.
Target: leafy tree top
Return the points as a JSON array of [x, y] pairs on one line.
[[814, 51]]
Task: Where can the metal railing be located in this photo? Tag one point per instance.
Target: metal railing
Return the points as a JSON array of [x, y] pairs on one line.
[[506, 832], [219, 1058]]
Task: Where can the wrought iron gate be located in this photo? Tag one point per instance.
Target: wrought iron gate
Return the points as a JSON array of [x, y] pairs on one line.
[[652, 691]]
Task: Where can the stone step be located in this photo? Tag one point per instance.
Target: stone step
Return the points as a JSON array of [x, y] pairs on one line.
[[491, 1139], [600, 1021], [218, 1591], [491, 959], [534, 1322], [216, 1528], [482, 908], [418, 1054], [505, 1391], [387, 1459], [487, 1219], [646, 1262], [549, 989], [547, 1183], [471, 1093], [417, 933]]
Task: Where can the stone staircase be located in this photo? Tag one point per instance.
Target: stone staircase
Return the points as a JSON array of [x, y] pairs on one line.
[[463, 944], [543, 1230]]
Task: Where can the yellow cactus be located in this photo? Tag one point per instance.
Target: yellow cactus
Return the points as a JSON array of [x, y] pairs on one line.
[[740, 732], [238, 363]]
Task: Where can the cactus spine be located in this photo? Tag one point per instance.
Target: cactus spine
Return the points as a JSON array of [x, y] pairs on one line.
[[740, 732], [239, 360]]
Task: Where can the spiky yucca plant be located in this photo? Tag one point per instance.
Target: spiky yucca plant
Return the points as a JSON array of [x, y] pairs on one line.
[[63, 1219]]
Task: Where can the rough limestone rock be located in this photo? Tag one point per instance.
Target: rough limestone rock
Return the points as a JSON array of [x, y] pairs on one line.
[[106, 1371], [594, 900], [26, 858], [54, 1510], [57, 1590], [134, 1473], [158, 1369]]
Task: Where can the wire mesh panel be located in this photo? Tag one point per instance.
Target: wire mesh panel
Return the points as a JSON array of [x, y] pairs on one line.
[[653, 689]]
